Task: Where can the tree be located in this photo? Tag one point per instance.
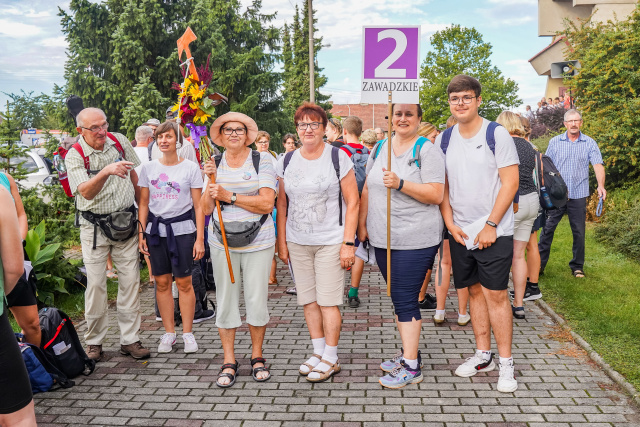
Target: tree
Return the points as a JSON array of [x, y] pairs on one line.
[[606, 90], [244, 49], [123, 57], [459, 50], [295, 53], [11, 149]]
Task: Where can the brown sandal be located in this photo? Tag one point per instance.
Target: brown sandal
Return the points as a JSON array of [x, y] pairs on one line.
[[311, 368], [334, 368]]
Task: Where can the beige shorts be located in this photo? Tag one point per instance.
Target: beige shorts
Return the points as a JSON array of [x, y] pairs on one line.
[[528, 206], [319, 275]]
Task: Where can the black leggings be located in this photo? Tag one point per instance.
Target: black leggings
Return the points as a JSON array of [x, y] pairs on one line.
[[15, 388]]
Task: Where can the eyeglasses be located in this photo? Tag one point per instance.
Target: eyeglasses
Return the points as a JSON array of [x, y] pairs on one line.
[[573, 121], [96, 129], [312, 125], [238, 131], [263, 142], [465, 99]]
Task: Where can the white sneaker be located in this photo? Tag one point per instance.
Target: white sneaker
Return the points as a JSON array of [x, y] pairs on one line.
[[158, 319], [190, 344], [166, 343], [438, 318], [463, 319], [507, 382], [475, 364]]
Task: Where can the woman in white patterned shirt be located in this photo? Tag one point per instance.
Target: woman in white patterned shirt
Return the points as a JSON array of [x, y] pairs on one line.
[[245, 186]]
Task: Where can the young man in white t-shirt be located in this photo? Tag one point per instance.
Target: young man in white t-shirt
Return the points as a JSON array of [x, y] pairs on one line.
[[480, 187]]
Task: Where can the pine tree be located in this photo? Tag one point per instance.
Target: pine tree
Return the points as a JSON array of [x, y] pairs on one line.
[[296, 64]]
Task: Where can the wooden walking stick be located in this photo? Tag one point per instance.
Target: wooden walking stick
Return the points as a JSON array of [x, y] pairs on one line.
[[389, 199], [206, 150]]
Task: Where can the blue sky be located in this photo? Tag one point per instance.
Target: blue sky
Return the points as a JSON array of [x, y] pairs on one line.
[[34, 47]]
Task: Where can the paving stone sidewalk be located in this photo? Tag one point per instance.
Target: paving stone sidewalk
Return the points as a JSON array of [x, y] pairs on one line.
[[557, 385]]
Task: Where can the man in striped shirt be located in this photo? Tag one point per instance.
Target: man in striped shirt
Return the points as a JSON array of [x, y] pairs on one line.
[[572, 152]]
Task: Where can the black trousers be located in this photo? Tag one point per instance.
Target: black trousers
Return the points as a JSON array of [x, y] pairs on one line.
[[576, 210]]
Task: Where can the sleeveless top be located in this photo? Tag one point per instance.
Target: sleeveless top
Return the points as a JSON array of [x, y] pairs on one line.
[[4, 181]]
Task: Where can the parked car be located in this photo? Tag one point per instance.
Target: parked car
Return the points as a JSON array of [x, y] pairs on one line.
[[40, 169]]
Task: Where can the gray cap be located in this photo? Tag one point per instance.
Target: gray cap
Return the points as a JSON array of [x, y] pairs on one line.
[[152, 122], [171, 114]]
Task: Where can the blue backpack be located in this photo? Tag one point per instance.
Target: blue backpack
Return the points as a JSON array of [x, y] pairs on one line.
[[359, 157], [42, 373], [415, 158], [491, 142]]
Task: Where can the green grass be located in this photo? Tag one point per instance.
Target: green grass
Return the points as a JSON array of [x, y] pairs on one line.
[[542, 143], [604, 307]]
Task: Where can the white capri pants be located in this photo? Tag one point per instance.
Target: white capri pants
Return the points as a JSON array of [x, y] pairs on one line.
[[251, 271]]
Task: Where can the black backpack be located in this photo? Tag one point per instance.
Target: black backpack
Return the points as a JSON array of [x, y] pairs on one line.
[[61, 345], [552, 189]]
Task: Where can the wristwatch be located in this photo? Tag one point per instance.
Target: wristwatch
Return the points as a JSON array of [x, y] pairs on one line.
[[491, 224], [234, 197], [349, 243]]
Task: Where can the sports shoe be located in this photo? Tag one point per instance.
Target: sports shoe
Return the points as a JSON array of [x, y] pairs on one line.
[[158, 319], [292, 291], [475, 364], [439, 318], [354, 302], [464, 319], [135, 350], [190, 344], [428, 303], [204, 316], [401, 376], [531, 293], [507, 382], [166, 343], [94, 352], [518, 312], [390, 365]]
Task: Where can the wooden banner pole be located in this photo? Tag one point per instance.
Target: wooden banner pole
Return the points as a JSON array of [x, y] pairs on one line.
[[390, 111]]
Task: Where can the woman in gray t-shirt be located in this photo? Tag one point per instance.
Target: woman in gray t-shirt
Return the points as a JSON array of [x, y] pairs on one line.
[[416, 181]]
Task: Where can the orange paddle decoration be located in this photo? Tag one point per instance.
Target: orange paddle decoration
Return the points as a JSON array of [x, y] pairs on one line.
[[194, 108]]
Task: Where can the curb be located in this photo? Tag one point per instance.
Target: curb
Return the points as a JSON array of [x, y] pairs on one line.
[[593, 355]]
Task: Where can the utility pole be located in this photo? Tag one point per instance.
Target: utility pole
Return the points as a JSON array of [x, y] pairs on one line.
[[312, 68]]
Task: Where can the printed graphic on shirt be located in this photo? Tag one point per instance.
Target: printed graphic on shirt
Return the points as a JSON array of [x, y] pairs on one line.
[[163, 181], [310, 208]]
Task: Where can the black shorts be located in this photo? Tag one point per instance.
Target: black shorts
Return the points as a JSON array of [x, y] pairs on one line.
[[540, 221], [23, 294], [15, 388], [161, 260], [489, 266]]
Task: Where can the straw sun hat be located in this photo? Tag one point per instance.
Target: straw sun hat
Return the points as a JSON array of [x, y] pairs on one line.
[[252, 127]]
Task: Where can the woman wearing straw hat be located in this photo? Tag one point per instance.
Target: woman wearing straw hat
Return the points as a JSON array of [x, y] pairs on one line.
[[245, 186], [316, 230]]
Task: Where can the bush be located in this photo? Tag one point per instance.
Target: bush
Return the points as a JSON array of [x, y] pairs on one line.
[[55, 275], [548, 121], [620, 223], [606, 90]]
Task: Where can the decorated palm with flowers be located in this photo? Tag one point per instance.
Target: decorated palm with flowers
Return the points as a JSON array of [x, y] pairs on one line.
[[195, 107], [196, 102]]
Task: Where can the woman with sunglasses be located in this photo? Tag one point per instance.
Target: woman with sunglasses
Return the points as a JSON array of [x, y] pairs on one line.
[[316, 229], [246, 189]]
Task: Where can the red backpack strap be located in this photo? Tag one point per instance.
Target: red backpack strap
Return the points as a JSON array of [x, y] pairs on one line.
[[117, 143], [85, 159]]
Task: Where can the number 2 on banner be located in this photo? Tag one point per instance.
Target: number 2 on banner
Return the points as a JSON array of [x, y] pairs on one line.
[[383, 70]]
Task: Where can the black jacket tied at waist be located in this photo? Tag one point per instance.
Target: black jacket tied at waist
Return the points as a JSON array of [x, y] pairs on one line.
[[154, 234]]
